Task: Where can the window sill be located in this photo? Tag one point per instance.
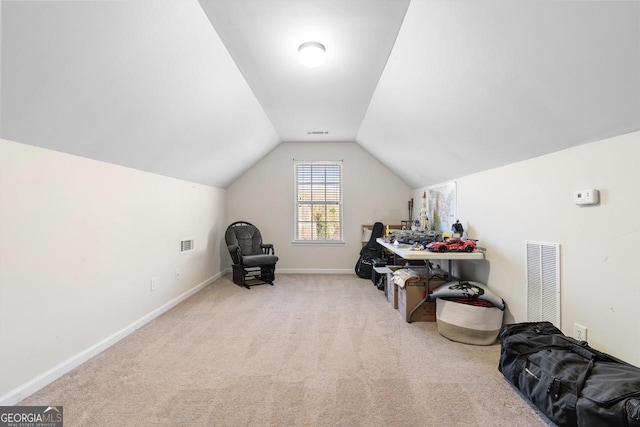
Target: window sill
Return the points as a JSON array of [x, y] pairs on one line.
[[318, 242]]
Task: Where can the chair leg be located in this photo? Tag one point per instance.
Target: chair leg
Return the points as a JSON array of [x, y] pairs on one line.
[[267, 273], [251, 276], [239, 276]]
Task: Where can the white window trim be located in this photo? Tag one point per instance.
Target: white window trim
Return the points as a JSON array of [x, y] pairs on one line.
[[336, 242]]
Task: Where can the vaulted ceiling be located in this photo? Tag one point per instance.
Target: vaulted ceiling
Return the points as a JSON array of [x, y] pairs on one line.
[[202, 90]]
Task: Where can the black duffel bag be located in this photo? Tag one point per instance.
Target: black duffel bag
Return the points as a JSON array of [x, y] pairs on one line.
[[570, 382]]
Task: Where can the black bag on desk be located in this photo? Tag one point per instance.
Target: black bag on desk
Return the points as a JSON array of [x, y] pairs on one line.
[[570, 382], [364, 265]]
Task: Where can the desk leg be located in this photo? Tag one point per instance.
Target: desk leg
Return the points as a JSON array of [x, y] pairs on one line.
[[426, 293], [426, 298]]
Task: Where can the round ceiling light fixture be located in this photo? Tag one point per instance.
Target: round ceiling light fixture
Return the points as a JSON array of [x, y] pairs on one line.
[[311, 54]]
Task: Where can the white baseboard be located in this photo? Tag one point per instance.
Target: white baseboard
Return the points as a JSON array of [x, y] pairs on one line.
[[315, 271], [46, 378]]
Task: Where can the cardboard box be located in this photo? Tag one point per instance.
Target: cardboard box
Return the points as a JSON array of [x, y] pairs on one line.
[[392, 294], [412, 296], [409, 297], [390, 289]]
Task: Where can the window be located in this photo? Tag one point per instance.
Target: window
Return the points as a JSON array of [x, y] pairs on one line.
[[318, 205]]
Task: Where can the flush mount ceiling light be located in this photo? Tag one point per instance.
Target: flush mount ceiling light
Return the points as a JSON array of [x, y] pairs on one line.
[[311, 54]]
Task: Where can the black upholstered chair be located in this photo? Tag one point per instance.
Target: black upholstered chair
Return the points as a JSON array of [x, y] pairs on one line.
[[254, 262]]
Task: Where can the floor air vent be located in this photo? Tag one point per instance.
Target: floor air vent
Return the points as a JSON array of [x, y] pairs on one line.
[[543, 282], [186, 245]]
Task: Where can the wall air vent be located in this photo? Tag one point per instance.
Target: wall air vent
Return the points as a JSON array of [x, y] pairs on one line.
[[186, 245], [543, 282]]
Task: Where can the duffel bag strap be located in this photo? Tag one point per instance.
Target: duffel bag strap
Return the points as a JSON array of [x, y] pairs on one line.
[[586, 352], [583, 378], [581, 351], [556, 347]]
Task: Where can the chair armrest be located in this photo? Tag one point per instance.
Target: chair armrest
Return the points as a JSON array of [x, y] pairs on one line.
[[267, 247], [236, 253]]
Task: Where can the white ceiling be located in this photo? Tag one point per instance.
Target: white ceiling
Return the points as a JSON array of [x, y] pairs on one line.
[[475, 85], [144, 84], [263, 38], [203, 90]]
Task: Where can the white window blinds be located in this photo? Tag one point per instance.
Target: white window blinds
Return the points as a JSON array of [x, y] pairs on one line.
[[318, 201]]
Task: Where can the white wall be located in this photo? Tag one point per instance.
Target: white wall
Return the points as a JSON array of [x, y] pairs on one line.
[[600, 245], [0, 68], [80, 239], [264, 197], [79, 242]]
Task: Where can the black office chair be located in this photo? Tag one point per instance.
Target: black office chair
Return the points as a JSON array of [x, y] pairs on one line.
[[254, 262]]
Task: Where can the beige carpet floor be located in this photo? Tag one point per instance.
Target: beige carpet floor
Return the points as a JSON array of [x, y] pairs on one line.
[[313, 350]]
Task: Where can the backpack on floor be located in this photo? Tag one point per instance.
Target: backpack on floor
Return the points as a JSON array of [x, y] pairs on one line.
[[364, 265]]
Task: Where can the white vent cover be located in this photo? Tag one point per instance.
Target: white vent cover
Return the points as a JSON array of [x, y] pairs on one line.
[[186, 245], [543, 282]]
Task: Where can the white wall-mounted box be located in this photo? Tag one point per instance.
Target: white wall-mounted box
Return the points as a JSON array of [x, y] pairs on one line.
[[586, 197]]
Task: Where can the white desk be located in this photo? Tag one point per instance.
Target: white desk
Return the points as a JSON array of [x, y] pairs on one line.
[[405, 252]]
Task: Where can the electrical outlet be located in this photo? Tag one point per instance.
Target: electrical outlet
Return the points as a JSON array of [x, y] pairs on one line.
[[177, 274], [153, 284], [579, 332]]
